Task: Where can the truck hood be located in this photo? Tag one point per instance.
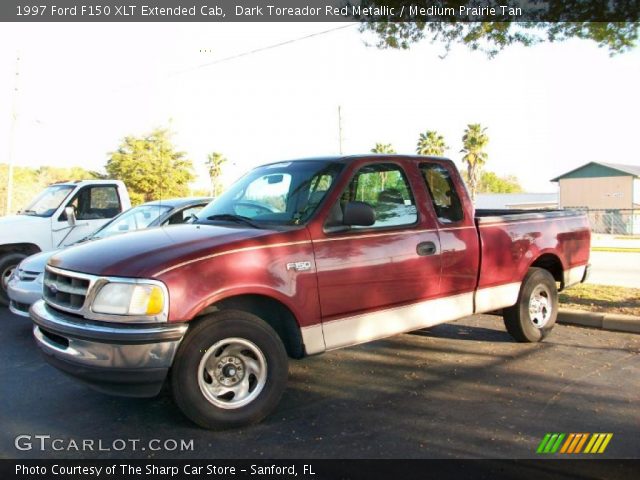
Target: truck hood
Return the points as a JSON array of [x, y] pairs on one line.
[[144, 253], [22, 228]]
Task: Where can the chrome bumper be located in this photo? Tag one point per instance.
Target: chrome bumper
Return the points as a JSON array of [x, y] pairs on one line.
[[22, 295], [131, 360]]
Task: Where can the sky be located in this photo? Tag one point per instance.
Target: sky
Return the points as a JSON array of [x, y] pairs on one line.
[[83, 87]]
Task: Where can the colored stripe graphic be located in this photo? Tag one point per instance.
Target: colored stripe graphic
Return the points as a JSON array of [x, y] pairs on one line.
[[573, 443], [568, 442], [581, 443], [543, 443]]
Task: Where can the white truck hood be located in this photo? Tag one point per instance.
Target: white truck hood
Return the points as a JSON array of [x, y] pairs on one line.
[[26, 229]]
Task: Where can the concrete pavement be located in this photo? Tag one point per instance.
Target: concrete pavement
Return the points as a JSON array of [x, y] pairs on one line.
[[458, 390], [620, 269]]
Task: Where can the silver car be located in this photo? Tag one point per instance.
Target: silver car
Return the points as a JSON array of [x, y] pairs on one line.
[[25, 284]]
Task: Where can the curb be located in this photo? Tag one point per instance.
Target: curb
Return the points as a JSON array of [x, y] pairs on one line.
[[604, 321], [616, 249]]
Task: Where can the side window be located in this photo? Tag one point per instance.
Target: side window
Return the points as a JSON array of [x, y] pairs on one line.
[[446, 201], [384, 187], [94, 203], [183, 216]]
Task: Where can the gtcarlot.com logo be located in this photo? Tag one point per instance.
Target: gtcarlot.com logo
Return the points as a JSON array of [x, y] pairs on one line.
[[45, 443], [574, 443]]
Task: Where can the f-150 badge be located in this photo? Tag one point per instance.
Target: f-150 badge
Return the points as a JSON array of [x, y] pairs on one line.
[[299, 266]]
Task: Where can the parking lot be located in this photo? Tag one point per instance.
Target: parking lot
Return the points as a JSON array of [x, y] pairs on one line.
[[457, 390]]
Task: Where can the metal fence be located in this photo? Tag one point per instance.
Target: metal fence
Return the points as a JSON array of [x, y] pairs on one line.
[[615, 222]]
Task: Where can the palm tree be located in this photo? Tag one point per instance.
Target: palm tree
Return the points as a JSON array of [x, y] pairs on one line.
[[214, 166], [383, 148], [431, 143], [474, 141]]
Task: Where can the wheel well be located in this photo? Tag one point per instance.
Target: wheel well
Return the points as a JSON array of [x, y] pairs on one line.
[[552, 264], [26, 248], [275, 313]]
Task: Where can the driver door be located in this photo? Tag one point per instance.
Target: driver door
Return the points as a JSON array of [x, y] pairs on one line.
[[93, 206], [376, 281]]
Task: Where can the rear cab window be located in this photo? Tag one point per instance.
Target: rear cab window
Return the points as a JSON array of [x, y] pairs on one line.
[[444, 197]]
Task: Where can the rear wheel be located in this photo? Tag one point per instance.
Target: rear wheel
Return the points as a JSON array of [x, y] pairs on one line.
[[533, 317], [230, 371], [8, 263]]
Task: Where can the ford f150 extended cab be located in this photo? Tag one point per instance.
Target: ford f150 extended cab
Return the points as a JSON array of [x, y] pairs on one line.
[[297, 258], [60, 215]]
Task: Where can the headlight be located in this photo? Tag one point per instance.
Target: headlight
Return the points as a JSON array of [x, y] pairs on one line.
[[129, 299]]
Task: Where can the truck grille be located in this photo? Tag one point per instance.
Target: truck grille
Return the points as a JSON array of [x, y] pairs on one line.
[[27, 276], [65, 290]]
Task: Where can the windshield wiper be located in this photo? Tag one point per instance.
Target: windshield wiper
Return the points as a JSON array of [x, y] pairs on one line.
[[234, 218], [29, 212]]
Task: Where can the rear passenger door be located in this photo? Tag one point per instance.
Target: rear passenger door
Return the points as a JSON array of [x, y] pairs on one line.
[[458, 234], [372, 280]]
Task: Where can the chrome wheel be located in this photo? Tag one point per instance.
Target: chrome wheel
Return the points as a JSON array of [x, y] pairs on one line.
[[540, 306], [232, 373]]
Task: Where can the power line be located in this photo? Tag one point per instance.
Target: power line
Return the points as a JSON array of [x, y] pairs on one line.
[[261, 49]]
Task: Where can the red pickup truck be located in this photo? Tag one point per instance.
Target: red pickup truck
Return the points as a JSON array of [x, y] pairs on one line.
[[297, 258]]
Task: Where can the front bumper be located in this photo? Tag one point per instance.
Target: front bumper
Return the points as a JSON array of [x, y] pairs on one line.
[[22, 295], [119, 359]]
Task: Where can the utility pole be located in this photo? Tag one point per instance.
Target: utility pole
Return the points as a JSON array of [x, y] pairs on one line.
[[12, 134], [340, 129]]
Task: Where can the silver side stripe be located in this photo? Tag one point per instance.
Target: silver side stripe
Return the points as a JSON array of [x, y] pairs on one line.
[[366, 327], [385, 323], [495, 298], [573, 275]]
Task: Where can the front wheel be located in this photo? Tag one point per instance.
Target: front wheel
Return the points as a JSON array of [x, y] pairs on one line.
[[8, 263], [533, 317], [230, 371]]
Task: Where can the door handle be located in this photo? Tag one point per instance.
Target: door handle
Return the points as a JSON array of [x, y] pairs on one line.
[[425, 249]]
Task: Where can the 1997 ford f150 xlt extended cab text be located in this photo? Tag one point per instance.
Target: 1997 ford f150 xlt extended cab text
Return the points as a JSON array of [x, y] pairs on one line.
[[297, 258]]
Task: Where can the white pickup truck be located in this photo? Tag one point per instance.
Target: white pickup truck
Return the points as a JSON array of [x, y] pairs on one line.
[[60, 215]]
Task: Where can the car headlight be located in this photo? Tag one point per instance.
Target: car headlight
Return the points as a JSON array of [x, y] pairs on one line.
[[129, 299]]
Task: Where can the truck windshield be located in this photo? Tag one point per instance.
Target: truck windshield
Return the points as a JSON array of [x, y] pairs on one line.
[[133, 219], [286, 193], [45, 204]]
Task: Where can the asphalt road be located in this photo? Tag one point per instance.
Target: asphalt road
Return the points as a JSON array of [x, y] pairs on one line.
[[458, 390], [621, 269]]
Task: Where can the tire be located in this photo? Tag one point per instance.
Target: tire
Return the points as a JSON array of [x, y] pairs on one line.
[[8, 263], [229, 371], [535, 314]]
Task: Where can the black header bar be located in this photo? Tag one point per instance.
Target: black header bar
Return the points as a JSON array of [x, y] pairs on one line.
[[153, 469], [319, 11]]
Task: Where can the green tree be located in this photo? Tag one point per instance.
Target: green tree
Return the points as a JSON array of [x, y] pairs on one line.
[[431, 143], [493, 37], [151, 167], [474, 141], [490, 182], [383, 148], [214, 164], [29, 181]]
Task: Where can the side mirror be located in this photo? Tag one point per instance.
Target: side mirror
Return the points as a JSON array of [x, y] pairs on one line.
[[359, 214], [71, 216]]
